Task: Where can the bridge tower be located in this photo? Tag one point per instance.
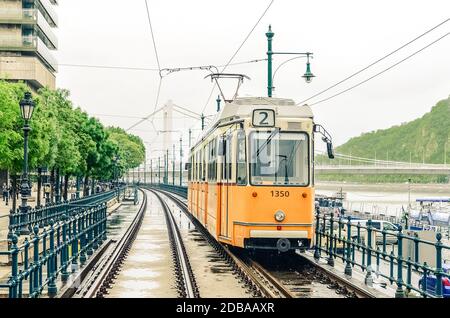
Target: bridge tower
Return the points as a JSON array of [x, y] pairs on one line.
[[168, 125]]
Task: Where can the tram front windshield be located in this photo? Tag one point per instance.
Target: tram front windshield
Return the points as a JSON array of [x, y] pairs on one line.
[[279, 158]]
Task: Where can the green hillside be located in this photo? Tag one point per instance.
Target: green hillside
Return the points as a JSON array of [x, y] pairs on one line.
[[424, 139]]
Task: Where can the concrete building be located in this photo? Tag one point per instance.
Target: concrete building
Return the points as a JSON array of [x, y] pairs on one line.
[[27, 40]]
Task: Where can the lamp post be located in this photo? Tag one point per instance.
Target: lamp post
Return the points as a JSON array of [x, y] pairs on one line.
[[151, 172], [26, 109], [190, 139], [308, 76], [408, 213], [218, 100], [173, 166], [181, 161], [159, 170]]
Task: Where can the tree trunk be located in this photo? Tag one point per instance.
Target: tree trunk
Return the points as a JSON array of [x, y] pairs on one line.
[[61, 186], [52, 188], [66, 185], [57, 187], [86, 186], [14, 190], [38, 199], [93, 186]]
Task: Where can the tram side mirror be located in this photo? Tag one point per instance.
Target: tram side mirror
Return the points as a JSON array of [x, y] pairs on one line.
[[330, 150], [326, 137]]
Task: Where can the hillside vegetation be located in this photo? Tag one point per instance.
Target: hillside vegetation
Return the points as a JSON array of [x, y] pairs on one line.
[[425, 139]]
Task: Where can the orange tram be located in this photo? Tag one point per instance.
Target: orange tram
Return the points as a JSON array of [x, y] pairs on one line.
[[251, 175]]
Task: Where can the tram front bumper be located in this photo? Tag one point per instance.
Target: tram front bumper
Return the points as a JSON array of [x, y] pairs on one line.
[[282, 241]]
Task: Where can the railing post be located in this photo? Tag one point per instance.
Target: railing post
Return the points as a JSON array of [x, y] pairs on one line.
[[369, 279], [105, 219], [64, 250], [330, 256], [348, 266], [82, 234], [400, 293], [52, 289], [439, 270], [36, 263], [317, 244], [74, 245], [14, 279], [90, 230], [95, 225]]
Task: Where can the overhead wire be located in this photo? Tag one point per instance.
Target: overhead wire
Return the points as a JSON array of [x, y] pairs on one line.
[[159, 68], [376, 62], [382, 72], [237, 51], [111, 67]]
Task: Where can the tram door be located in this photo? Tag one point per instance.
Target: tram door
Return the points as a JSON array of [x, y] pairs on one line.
[[225, 191]]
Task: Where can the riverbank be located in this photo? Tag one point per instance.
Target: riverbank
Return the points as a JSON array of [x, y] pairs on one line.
[[387, 199], [432, 189]]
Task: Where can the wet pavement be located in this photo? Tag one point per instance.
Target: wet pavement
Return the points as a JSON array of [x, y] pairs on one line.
[[147, 271]]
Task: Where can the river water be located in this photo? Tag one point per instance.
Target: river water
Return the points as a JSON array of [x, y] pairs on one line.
[[387, 199]]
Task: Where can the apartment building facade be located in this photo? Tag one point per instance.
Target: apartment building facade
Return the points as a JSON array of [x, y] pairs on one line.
[[28, 41]]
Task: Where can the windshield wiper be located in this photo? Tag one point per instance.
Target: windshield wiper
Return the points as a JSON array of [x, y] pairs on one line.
[[267, 141], [286, 178]]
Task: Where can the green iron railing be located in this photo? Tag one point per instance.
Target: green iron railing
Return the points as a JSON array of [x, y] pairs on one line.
[[390, 254], [180, 190], [41, 217], [55, 253]]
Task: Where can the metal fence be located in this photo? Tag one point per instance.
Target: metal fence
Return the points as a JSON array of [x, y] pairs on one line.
[[24, 223], [181, 191], [413, 264], [55, 253]]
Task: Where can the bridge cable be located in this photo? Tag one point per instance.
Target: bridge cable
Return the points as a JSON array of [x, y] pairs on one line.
[[376, 62]]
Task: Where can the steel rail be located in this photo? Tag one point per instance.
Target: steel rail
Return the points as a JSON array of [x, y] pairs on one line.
[[182, 260], [101, 279], [359, 292], [258, 279], [283, 291], [341, 281]]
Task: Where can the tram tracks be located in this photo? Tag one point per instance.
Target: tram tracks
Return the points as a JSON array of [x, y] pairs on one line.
[[259, 282], [288, 279], [98, 283], [264, 282], [106, 272], [185, 277]]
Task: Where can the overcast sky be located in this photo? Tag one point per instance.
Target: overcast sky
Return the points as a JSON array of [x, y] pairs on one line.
[[344, 36]]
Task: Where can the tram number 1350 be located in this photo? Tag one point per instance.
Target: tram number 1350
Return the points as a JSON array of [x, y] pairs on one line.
[[280, 194]]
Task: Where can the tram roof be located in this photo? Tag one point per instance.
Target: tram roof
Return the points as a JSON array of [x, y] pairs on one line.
[[243, 107]]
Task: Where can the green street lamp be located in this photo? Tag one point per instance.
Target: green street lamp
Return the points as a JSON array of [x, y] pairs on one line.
[[308, 76], [26, 109]]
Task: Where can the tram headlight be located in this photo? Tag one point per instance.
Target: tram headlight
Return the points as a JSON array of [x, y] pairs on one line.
[[280, 216]]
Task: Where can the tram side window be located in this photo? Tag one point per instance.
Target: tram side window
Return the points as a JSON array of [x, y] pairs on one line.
[[212, 170], [241, 159], [204, 153], [190, 169], [197, 166], [229, 157]]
